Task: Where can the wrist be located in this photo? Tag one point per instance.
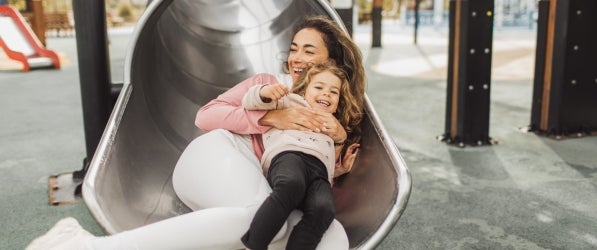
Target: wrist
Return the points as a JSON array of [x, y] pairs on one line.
[[266, 120], [263, 98]]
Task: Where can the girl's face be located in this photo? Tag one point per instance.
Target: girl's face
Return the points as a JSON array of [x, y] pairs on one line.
[[323, 92], [307, 48]]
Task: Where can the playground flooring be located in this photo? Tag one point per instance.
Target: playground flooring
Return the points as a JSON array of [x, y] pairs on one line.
[[526, 192]]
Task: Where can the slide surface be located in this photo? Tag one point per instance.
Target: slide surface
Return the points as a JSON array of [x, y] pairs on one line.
[[184, 53], [19, 43]]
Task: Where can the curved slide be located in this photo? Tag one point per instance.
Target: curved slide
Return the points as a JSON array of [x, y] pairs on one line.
[[184, 53], [19, 43]]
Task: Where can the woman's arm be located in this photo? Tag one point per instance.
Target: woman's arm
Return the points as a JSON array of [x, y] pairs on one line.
[[227, 112], [297, 118], [348, 160]]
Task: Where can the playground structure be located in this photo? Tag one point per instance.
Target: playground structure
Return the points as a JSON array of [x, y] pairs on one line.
[[183, 54], [20, 43], [565, 82]]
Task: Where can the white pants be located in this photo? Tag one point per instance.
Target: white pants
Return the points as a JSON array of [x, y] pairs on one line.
[[219, 177]]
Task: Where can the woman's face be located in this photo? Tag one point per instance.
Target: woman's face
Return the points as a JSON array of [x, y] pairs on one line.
[[307, 48], [323, 92]]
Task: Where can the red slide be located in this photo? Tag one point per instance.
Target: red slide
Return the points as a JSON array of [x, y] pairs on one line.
[[20, 43]]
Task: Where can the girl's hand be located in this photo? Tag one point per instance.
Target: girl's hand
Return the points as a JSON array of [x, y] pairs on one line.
[[298, 118], [332, 127], [273, 92], [348, 160]]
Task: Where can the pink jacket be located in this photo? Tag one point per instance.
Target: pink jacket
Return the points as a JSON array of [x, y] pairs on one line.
[[227, 112]]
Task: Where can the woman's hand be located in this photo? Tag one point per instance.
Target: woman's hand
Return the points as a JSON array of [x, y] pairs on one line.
[[332, 127], [298, 118], [348, 160]]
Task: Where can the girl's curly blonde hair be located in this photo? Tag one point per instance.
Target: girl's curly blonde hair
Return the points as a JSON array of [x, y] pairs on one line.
[[350, 109]]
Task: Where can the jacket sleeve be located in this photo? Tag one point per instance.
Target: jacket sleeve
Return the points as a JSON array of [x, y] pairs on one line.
[[252, 100], [227, 112]]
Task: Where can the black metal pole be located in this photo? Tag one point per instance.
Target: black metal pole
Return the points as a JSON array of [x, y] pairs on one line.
[[417, 2], [346, 13], [376, 20], [469, 73], [564, 102], [540, 51], [94, 72]]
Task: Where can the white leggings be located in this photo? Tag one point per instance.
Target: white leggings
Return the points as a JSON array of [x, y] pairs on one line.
[[220, 179]]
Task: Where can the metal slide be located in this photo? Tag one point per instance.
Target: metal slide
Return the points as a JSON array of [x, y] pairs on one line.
[[184, 53], [19, 42]]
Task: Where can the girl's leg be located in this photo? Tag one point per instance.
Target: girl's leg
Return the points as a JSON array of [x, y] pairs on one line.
[[288, 179], [335, 237], [318, 214]]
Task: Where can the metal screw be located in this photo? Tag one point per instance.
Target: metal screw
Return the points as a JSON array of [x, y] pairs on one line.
[[486, 50], [573, 82], [575, 47], [489, 13], [471, 87], [472, 51], [474, 14], [485, 86], [578, 12]]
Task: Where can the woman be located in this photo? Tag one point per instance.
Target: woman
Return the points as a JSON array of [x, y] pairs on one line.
[[316, 39], [219, 174]]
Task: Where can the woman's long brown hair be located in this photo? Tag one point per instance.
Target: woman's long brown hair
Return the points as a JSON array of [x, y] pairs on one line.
[[347, 56]]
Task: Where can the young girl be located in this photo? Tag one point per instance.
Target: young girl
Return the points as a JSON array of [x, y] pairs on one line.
[[300, 165]]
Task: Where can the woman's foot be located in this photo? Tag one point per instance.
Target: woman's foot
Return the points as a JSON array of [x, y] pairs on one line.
[[65, 234]]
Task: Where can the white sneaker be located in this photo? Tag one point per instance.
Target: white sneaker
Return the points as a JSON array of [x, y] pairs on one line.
[[65, 233]]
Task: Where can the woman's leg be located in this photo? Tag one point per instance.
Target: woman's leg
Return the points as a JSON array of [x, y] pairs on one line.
[[220, 226], [219, 177], [206, 229], [219, 169]]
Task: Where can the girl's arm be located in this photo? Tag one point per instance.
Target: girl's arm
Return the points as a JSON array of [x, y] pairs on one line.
[[265, 97], [227, 112]]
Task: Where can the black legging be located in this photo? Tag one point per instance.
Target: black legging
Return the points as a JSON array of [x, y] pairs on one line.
[[298, 180]]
